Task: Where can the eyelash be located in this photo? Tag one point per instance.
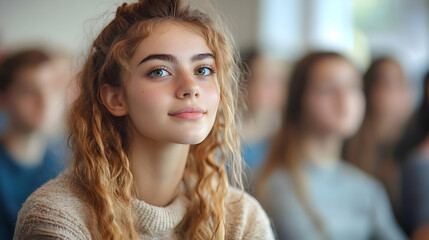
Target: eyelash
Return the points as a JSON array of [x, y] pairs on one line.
[[157, 68], [209, 67]]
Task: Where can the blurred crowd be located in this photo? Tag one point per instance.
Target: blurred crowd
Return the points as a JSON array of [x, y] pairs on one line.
[[336, 153], [331, 151]]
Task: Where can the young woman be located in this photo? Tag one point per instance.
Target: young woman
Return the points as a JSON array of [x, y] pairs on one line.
[[305, 187], [150, 132], [388, 108]]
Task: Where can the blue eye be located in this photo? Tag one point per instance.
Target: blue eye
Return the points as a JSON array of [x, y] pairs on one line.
[[203, 71], [158, 73]]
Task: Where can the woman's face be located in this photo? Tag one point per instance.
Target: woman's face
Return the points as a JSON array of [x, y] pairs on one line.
[[333, 103], [172, 92], [390, 97]]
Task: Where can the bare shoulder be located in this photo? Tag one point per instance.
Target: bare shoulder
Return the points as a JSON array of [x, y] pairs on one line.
[[57, 210], [245, 217]]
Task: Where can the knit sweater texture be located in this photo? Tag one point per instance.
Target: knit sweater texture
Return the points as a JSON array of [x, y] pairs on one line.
[[60, 210]]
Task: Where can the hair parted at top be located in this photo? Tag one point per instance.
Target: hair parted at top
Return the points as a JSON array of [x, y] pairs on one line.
[[100, 141]]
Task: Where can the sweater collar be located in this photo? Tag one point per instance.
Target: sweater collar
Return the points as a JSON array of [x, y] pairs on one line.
[[154, 220]]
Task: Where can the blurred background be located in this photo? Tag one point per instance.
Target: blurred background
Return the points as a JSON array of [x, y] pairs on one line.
[[387, 41], [286, 28]]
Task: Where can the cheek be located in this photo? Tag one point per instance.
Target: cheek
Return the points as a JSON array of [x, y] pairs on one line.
[[316, 112], [357, 107], [319, 107], [146, 104], [150, 99], [26, 110], [24, 104], [355, 114], [211, 97], [327, 114], [385, 99]]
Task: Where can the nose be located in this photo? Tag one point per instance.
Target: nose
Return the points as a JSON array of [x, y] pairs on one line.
[[187, 87]]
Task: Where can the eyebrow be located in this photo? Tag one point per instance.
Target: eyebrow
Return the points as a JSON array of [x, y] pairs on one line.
[[173, 59], [202, 56]]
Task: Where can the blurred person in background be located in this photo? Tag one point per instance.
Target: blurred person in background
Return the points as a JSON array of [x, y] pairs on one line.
[[29, 96], [265, 83], [308, 191], [388, 108], [414, 152]]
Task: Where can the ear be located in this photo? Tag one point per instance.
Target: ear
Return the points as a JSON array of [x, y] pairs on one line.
[[113, 100]]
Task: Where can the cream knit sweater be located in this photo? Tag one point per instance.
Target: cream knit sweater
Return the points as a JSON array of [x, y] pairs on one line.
[[59, 210]]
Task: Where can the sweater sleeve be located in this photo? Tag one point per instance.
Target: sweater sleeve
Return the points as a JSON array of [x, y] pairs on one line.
[[384, 224], [257, 223], [37, 220]]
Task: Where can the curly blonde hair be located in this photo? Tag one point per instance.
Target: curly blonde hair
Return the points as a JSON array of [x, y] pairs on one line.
[[100, 142]]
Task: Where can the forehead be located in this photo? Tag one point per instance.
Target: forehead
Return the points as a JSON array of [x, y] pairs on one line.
[[388, 66], [333, 68], [176, 38], [332, 65], [39, 74]]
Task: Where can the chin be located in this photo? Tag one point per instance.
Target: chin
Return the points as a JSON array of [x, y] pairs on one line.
[[191, 136], [191, 140], [347, 132]]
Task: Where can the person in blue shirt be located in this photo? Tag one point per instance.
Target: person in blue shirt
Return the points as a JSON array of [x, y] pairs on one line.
[[28, 97]]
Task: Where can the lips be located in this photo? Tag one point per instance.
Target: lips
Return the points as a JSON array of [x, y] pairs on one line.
[[189, 113]]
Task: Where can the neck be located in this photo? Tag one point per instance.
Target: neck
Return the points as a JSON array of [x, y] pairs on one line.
[[27, 148], [320, 149], [157, 169]]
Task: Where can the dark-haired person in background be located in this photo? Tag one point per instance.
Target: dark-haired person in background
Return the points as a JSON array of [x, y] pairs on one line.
[[413, 149], [29, 87], [388, 108], [306, 188]]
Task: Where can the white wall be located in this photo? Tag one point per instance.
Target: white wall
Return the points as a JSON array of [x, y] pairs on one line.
[[63, 23], [71, 24], [243, 18]]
